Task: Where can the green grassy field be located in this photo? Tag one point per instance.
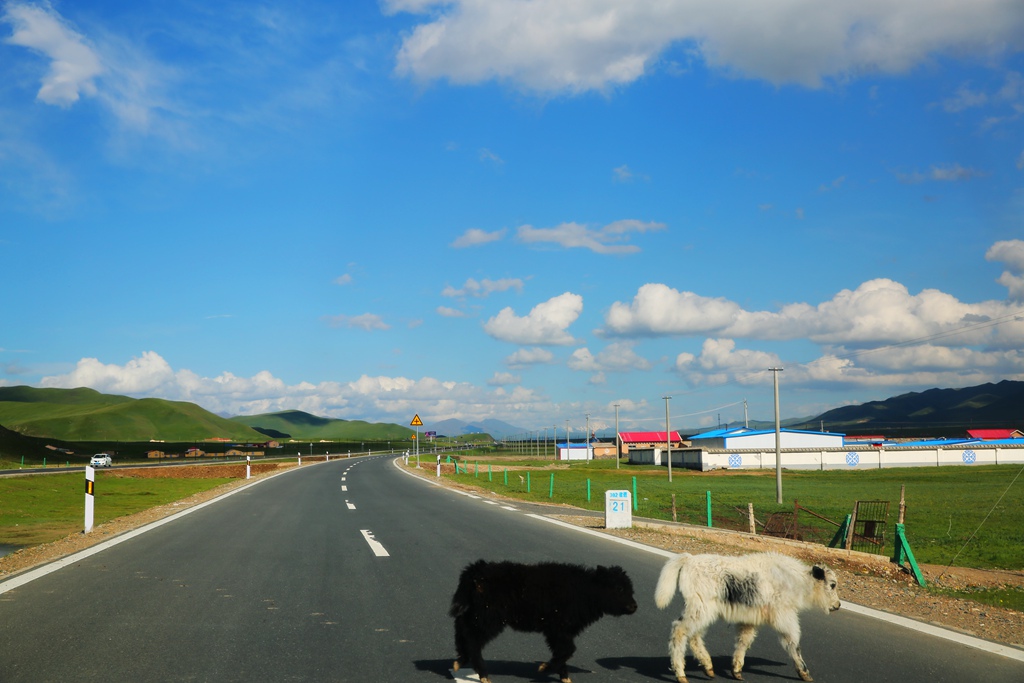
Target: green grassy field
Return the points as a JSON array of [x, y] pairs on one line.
[[952, 512], [39, 509]]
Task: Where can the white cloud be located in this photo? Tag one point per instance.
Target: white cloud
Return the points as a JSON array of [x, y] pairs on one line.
[[144, 375], [1008, 252], [447, 312], [719, 362], [343, 279], [74, 64], [943, 173], [605, 240], [474, 237], [483, 288], [566, 46], [109, 68], [500, 379], [917, 366], [526, 357], [381, 398], [488, 155], [616, 357], [1011, 254], [366, 321], [658, 309], [546, 323], [878, 312]]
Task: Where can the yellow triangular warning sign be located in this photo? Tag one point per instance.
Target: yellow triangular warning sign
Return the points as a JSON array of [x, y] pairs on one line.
[[416, 422]]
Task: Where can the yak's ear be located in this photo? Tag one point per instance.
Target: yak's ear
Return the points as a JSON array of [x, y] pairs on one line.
[[818, 573]]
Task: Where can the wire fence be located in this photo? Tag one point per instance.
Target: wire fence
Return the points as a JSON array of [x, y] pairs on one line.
[[655, 500]]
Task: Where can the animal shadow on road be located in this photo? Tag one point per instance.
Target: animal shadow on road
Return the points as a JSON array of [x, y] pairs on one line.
[[659, 668], [522, 671]]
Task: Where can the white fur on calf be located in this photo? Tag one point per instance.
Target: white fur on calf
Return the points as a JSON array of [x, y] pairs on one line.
[[749, 590]]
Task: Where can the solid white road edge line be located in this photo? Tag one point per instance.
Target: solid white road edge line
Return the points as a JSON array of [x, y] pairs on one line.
[[919, 626], [38, 572], [375, 545]]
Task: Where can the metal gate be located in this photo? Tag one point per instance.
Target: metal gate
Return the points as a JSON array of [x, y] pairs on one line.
[[869, 520]]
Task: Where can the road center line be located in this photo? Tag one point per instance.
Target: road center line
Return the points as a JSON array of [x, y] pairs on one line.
[[375, 545], [351, 506]]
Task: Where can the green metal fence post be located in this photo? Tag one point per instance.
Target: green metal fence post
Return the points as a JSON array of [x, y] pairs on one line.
[[840, 536], [588, 490], [506, 476], [903, 552], [527, 482], [634, 495], [489, 472], [708, 496], [551, 486], [476, 469]]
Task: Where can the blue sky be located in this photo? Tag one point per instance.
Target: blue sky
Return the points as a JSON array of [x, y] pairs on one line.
[[530, 211]]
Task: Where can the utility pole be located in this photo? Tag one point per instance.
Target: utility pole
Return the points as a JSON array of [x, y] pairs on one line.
[[745, 421], [618, 445], [778, 439], [668, 439], [586, 456]]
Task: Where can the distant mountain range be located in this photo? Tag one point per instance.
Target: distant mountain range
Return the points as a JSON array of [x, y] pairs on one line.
[[936, 412], [296, 424], [453, 427], [87, 415]]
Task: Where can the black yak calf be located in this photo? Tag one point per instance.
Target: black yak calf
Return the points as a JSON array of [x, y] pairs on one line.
[[558, 600]]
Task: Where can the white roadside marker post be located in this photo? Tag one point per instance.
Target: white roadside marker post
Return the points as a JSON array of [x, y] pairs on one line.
[[618, 512], [90, 497], [248, 466]]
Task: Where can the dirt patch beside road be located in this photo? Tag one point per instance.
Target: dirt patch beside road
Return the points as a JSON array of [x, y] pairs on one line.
[[235, 471]]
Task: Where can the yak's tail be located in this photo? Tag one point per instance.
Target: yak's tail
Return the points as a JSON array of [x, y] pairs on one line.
[[668, 580]]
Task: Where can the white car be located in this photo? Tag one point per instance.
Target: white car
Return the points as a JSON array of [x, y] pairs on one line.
[[101, 460]]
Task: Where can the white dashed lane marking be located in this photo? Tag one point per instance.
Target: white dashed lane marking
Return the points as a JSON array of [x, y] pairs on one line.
[[375, 545]]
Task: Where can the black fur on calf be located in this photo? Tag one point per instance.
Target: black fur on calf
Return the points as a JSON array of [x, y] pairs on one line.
[[557, 600]]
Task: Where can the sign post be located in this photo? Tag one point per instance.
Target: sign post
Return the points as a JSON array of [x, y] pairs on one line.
[[90, 497], [618, 510], [248, 466], [417, 423]]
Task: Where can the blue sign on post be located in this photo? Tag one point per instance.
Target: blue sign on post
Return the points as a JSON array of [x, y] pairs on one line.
[[618, 510]]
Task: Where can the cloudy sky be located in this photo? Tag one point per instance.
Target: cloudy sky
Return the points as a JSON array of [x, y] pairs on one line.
[[520, 209]]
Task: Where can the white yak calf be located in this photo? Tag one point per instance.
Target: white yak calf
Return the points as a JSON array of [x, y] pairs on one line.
[[749, 590]]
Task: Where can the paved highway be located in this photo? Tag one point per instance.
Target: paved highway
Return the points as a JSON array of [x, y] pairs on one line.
[[343, 571]]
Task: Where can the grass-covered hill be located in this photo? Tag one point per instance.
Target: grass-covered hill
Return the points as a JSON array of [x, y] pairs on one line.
[[87, 415], [936, 412], [296, 424]]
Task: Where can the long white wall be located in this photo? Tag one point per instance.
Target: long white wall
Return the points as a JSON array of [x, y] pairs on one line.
[[846, 458]]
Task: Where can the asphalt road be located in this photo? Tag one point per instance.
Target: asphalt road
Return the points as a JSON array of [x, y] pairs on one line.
[[343, 571]]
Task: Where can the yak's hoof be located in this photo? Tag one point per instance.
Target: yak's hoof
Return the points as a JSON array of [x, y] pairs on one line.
[[543, 667], [738, 675], [455, 666], [805, 676], [710, 673], [566, 680]]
